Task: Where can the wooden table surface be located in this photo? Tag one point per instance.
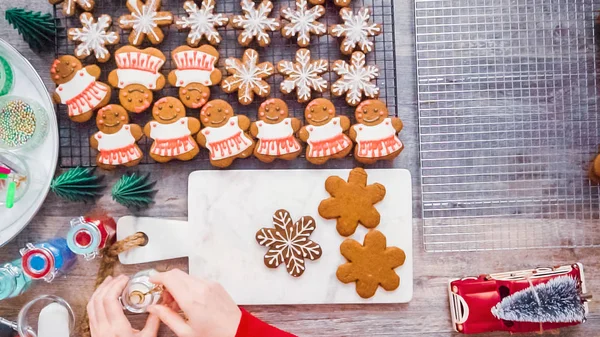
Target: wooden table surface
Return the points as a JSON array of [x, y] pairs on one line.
[[426, 315]]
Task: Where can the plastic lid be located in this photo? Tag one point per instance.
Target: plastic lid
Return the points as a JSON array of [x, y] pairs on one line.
[[38, 263], [83, 238]]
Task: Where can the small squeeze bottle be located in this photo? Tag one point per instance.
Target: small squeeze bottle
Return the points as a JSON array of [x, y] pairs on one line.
[[48, 259], [13, 281], [89, 235]]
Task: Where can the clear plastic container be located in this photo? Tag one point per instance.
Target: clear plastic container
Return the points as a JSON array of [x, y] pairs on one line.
[[19, 176], [23, 123], [46, 316]]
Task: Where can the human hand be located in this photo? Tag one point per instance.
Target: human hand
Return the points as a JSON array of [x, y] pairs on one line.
[[106, 313], [208, 307]]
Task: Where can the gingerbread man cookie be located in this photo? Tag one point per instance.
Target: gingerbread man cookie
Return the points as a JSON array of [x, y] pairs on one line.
[[325, 132], [196, 71], [371, 264], [255, 23], [137, 75], [78, 88], [352, 202], [275, 132], [202, 22], [224, 134], [172, 131], [93, 37], [116, 141], [375, 134], [355, 31], [69, 5], [145, 21]]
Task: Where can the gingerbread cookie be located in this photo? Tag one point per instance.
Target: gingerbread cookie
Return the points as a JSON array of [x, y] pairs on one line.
[[172, 131], [196, 71], [324, 132], [355, 79], [288, 242], [137, 75], [78, 88], [355, 31], [594, 171], [69, 5], [202, 22], [303, 76], [370, 265], [247, 77], [275, 132], [352, 202], [303, 22], [340, 3], [145, 21], [116, 140], [224, 134], [93, 37], [375, 133], [255, 23]]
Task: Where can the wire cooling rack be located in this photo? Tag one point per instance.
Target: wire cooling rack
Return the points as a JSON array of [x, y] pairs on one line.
[[508, 114], [74, 137]]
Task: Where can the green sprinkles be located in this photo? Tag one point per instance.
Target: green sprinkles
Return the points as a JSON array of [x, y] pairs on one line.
[[17, 123]]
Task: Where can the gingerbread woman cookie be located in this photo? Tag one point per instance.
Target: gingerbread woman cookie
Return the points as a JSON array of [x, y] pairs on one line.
[[145, 21], [324, 132], [93, 37], [224, 134], [375, 134], [196, 71], [78, 88], [255, 23], [275, 132], [116, 140], [172, 131], [69, 5], [355, 31], [137, 75]]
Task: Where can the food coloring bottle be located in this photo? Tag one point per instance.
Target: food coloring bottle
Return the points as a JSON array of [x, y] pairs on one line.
[[48, 259], [13, 281], [89, 235]]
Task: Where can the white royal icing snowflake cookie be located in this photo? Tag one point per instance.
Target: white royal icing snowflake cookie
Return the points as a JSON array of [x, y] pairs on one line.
[[145, 21], [255, 23], [247, 77], [356, 30], [340, 3], [94, 37], [303, 22], [355, 79], [202, 22], [69, 5], [303, 76]]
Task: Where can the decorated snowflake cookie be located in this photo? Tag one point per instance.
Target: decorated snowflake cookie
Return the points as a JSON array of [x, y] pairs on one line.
[[247, 77], [94, 36], [255, 23], [355, 79], [69, 5], [340, 3], [356, 30], [202, 22], [303, 76], [303, 22], [145, 21]]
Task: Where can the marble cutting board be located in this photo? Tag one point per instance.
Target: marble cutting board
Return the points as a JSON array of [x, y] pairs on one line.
[[226, 208]]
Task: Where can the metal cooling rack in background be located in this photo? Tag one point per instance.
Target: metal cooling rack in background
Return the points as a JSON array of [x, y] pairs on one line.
[[74, 137], [508, 114]]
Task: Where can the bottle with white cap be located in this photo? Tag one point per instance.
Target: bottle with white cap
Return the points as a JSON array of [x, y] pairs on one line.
[[140, 292]]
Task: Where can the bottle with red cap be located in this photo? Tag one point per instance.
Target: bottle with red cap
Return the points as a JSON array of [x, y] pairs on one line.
[[88, 235], [45, 260]]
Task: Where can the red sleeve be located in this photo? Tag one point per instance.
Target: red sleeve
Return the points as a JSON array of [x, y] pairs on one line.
[[251, 326]]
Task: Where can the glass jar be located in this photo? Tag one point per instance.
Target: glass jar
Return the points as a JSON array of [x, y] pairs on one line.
[[140, 293], [46, 316]]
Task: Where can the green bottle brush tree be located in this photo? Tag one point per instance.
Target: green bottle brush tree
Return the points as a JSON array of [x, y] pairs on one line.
[[38, 29]]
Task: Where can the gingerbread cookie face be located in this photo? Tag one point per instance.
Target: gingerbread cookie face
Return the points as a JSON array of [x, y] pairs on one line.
[[145, 21], [116, 140], [172, 131], [352, 202], [69, 5], [288, 242], [275, 132], [247, 77], [319, 112], [93, 37], [356, 79], [137, 75], [371, 264], [303, 76], [224, 133], [255, 23], [302, 22], [202, 22], [356, 31], [64, 69]]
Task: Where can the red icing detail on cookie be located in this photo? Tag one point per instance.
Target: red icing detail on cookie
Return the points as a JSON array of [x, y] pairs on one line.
[[121, 83], [99, 136], [232, 123], [126, 127], [81, 73], [286, 122], [310, 129], [260, 124], [184, 91], [60, 88], [334, 122], [181, 82], [150, 85], [206, 132]]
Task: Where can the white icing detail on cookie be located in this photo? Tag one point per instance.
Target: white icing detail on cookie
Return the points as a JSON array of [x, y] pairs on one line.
[[377, 140], [226, 141], [144, 19], [193, 67], [255, 21], [303, 22], [171, 140], [117, 148], [276, 139], [202, 22], [82, 93], [93, 36], [355, 79], [69, 6], [247, 77], [137, 67], [356, 30], [303, 75], [326, 140], [136, 76]]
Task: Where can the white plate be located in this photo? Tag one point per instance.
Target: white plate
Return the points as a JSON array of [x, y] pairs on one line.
[[42, 160]]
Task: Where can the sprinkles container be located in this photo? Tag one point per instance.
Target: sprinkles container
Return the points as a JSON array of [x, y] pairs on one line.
[[23, 123]]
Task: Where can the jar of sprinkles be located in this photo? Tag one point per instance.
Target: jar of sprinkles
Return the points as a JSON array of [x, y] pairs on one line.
[[23, 123]]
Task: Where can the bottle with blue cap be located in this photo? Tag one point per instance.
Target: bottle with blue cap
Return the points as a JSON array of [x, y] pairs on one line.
[[46, 260], [13, 281], [89, 235]]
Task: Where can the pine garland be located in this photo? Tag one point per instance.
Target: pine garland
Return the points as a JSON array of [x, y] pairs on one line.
[[38, 29], [77, 184], [134, 190]]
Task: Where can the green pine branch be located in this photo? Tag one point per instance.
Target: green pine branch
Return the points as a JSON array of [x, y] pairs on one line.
[[38, 29], [77, 184], [134, 190]]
